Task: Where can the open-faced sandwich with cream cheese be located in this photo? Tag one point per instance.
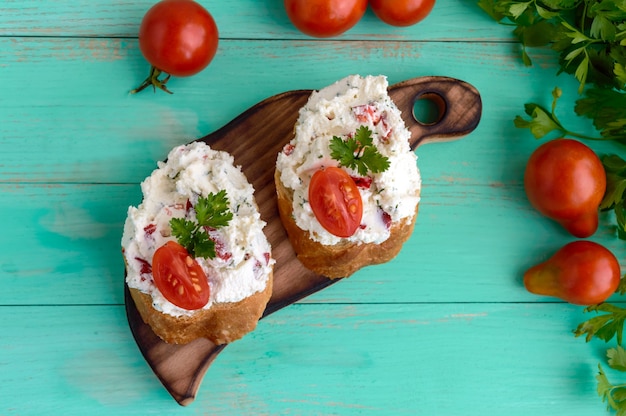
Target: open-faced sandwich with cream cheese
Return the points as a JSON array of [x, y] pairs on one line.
[[348, 184], [197, 261]]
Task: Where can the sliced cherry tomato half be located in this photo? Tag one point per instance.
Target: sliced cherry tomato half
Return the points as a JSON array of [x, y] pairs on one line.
[[336, 201], [179, 277]]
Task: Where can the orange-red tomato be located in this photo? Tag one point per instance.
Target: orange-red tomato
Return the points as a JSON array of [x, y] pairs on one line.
[[179, 277], [324, 18], [178, 37], [565, 180], [336, 201], [581, 272], [402, 12]]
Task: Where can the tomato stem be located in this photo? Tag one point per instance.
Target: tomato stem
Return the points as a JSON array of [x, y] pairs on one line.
[[153, 79]]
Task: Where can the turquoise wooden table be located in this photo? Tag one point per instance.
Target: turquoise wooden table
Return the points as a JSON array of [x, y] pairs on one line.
[[446, 328]]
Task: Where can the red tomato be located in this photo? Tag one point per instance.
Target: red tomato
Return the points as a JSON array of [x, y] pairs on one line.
[[336, 201], [582, 273], [402, 12], [178, 37], [565, 181], [179, 277], [325, 18]]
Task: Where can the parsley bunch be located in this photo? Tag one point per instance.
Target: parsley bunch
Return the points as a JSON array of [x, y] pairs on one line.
[[211, 212], [589, 35], [359, 152]]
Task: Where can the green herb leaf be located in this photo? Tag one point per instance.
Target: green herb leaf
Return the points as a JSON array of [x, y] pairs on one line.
[[211, 212], [493, 8], [615, 168], [621, 288], [617, 358], [203, 246], [517, 9], [620, 72], [359, 152], [184, 231], [607, 109], [603, 327], [613, 395], [541, 123]]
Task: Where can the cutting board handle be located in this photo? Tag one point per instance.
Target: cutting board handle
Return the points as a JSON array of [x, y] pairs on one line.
[[458, 103]]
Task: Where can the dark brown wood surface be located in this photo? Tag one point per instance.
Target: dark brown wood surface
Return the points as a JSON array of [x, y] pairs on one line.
[[254, 139]]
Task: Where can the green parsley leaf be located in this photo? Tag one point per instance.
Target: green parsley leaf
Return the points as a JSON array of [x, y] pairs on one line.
[[541, 122], [620, 71], [517, 9], [203, 246], [613, 395], [359, 152], [607, 109], [617, 358], [493, 8], [211, 212], [604, 327], [615, 168], [621, 288], [183, 230], [615, 194]]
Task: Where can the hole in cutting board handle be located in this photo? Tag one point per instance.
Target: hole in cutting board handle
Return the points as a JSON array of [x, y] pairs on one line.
[[429, 108]]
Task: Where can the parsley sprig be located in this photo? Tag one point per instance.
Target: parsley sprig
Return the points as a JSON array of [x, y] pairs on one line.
[[613, 394], [605, 326], [606, 108], [211, 212], [359, 152]]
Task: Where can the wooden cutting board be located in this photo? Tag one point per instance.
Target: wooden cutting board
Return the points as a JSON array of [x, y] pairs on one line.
[[254, 139]]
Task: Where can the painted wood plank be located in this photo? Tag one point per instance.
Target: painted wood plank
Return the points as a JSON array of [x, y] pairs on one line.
[[242, 19], [420, 359], [87, 128], [62, 243], [471, 244]]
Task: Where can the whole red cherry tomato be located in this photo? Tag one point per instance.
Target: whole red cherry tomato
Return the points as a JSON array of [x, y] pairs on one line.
[[581, 272], [179, 277], [178, 37], [402, 12], [324, 18], [336, 201], [565, 181]]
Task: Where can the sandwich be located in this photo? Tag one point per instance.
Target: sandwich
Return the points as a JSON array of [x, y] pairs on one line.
[[347, 183], [198, 264]]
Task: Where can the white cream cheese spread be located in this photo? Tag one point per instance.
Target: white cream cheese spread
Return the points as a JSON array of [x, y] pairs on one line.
[[339, 110], [242, 263]]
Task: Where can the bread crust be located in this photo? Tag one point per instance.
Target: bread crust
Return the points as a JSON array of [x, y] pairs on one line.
[[345, 258], [221, 323]]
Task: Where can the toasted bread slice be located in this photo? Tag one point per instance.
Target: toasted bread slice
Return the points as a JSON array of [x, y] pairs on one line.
[[239, 271], [221, 323], [353, 125], [343, 259]]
